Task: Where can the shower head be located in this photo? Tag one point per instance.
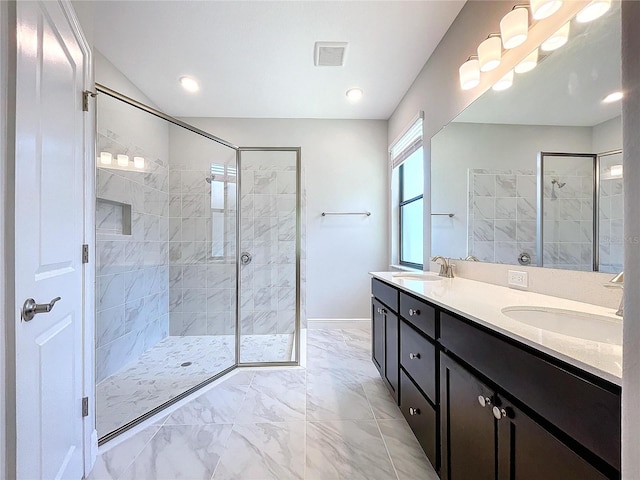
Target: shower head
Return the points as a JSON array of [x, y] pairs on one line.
[[556, 182]]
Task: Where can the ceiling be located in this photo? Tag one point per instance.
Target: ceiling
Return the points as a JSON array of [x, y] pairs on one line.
[[567, 87], [256, 58]]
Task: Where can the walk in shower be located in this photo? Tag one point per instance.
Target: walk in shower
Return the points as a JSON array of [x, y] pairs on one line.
[[187, 224]]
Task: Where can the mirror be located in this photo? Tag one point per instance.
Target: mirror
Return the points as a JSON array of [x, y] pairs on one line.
[[488, 197]]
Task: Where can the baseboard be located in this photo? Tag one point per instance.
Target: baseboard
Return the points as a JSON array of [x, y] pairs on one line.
[[338, 323]]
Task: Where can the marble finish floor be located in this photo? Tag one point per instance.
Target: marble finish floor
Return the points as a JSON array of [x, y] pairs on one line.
[[332, 420], [158, 375]]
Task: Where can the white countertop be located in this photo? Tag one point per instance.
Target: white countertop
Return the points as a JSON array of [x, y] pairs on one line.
[[483, 302]]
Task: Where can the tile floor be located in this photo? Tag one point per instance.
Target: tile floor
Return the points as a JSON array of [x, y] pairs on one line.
[[333, 419], [158, 375]]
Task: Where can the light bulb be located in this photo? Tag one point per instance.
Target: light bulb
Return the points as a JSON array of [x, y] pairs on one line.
[[489, 54], [544, 8], [469, 74], [528, 64], [594, 10], [556, 40], [123, 160], [354, 94], [105, 158], [138, 162], [514, 28], [504, 83]]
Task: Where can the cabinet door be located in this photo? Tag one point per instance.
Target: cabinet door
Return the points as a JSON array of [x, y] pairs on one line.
[[391, 353], [377, 335], [467, 428], [526, 451]]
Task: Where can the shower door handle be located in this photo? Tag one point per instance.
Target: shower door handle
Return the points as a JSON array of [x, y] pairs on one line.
[[245, 258]]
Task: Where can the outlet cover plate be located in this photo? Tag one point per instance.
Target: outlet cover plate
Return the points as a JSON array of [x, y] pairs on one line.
[[518, 278]]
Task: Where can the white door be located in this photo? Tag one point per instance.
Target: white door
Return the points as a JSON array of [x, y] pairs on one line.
[[50, 69]]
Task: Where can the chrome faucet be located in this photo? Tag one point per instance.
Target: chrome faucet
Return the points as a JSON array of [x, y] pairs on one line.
[[446, 268], [618, 281], [473, 258]]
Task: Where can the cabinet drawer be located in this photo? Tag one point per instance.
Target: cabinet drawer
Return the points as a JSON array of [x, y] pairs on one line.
[[418, 357], [588, 413], [419, 314], [385, 293], [420, 416]]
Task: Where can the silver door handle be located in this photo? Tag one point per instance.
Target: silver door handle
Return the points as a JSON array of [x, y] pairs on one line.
[[245, 258], [30, 308]]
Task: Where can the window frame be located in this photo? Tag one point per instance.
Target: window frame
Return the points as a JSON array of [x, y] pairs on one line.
[[401, 204]]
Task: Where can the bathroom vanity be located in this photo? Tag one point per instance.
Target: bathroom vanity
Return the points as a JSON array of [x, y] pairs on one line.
[[488, 393]]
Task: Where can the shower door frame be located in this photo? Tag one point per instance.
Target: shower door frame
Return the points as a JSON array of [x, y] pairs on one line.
[[540, 205], [296, 335]]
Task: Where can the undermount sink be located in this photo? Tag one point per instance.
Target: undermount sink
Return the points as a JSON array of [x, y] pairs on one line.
[[421, 277], [587, 326]]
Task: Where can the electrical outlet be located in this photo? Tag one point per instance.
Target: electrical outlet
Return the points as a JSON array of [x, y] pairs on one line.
[[517, 278]]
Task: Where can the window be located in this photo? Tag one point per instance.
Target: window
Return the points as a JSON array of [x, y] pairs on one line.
[[408, 177]]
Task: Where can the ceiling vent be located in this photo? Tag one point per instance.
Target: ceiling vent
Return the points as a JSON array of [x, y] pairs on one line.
[[329, 54]]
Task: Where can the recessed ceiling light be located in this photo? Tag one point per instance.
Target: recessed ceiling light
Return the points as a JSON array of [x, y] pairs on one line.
[[354, 94], [613, 97], [189, 84]]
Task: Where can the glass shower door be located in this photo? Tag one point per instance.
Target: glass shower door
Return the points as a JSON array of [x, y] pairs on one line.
[[269, 255]]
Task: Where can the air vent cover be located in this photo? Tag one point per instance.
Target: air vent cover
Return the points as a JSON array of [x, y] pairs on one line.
[[329, 54]]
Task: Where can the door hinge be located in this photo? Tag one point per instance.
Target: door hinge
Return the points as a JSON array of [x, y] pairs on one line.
[[85, 99], [85, 406], [85, 253]]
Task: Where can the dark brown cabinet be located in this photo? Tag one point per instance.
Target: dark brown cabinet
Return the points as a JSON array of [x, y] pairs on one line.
[[486, 437], [385, 336], [377, 335]]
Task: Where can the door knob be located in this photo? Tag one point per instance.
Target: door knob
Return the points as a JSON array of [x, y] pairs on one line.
[[30, 308], [245, 258]]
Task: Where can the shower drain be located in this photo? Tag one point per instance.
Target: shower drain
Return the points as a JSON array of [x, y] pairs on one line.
[[185, 364]]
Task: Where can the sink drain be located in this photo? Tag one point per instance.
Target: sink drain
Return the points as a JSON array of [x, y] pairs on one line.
[[185, 364]]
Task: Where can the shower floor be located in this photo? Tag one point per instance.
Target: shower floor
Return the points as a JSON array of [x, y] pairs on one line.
[[159, 375]]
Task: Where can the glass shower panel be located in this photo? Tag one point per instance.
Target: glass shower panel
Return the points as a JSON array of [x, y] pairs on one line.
[[568, 195], [611, 213], [269, 260], [165, 308]]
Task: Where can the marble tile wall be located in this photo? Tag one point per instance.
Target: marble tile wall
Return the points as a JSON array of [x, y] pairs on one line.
[[502, 218], [202, 272], [268, 232], [611, 228], [132, 269]]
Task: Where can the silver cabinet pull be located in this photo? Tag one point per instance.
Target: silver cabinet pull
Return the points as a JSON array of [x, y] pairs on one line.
[[30, 308], [414, 356], [413, 312], [499, 412], [414, 411], [484, 401]]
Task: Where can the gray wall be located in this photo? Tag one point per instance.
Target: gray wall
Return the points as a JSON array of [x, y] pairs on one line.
[[631, 147]]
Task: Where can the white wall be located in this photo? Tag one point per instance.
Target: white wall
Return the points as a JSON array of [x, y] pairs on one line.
[[463, 146], [4, 50], [345, 167], [631, 147], [607, 136]]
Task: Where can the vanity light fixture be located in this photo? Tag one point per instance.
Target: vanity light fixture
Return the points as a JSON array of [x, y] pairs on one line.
[[123, 160], [105, 158], [354, 94], [469, 74], [490, 53], [504, 83], [138, 162], [189, 84], [594, 10], [556, 40], [616, 171], [514, 27], [528, 64], [544, 8], [613, 97]]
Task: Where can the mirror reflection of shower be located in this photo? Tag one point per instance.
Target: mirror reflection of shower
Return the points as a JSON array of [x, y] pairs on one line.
[[555, 183]]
